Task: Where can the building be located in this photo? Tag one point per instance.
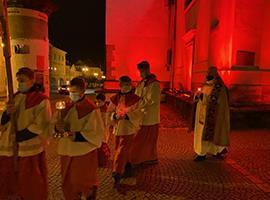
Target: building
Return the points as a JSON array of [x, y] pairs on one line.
[[57, 67], [229, 34], [136, 30], [72, 72], [89, 72], [182, 38]]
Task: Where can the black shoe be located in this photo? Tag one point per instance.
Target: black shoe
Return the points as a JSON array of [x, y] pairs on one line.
[[200, 158], [129, 171], [117, 178]]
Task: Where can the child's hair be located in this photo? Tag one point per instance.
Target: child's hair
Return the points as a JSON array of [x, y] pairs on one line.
[[26, 72], [101, 97], [125, 79], [78, 82]]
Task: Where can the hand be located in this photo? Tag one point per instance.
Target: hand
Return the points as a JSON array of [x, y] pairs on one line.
[[60, 127], [11, 108]]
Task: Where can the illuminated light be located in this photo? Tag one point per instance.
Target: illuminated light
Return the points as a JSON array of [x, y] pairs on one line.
[[60, 105], [199, 89], [95, 74], [2, 44], [55, 69], [103, 77]]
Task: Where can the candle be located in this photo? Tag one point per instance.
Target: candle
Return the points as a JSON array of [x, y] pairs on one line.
[[60, 105]]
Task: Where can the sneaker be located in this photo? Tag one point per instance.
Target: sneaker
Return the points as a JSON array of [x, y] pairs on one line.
[[199, 158]]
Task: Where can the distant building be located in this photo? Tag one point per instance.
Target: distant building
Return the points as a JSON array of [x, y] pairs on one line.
[[88, 71], [57, 67], [72, 72]]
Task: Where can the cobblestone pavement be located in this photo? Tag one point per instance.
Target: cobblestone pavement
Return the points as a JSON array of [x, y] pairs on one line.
[[243, 174]]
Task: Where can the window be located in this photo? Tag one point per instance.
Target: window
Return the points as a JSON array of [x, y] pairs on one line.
[[245, 58]]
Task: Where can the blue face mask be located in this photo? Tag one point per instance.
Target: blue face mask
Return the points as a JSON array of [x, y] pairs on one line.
[[74, 96], [22, 87]]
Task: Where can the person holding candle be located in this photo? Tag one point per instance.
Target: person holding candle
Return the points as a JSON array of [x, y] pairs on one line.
[[33, 115], [212, 120], [82, 128], [127, 117]]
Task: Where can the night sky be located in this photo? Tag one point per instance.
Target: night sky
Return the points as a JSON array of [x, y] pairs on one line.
[[78, 27]]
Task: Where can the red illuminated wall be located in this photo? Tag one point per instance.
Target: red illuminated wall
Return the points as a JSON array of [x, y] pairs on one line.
[[136, 30], [227, 34]]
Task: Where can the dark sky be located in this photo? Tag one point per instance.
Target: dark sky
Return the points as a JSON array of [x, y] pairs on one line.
[[78, 27]]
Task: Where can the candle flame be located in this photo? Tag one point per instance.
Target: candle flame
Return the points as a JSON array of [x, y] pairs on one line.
[[60, 105]]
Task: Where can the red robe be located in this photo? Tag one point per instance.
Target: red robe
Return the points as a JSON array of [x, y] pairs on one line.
[[124, 129]]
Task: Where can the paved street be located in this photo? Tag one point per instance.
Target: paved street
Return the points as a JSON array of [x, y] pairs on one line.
[[243, 174]]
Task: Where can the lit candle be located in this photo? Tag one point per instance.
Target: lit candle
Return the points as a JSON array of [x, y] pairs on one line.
[[60, 105]]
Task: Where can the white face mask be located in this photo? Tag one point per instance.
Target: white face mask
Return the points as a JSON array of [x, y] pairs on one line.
[[74, 96], [143, 75], [125, 89], [22, 87]]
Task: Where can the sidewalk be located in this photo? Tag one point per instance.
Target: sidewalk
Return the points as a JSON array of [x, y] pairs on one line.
[[243, 175]]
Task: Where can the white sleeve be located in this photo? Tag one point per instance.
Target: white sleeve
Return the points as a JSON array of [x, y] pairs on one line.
[[41, 124], [93, 129]]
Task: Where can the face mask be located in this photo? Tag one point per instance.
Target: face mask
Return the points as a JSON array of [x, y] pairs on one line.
[[209, 77], [125, 89], [143, 75], [22, 87], [74, 96]]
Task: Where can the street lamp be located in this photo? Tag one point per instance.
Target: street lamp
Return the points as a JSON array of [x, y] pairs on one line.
[[85, 69]]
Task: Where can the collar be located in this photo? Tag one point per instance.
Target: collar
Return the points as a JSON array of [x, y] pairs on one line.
[[33, 99], [130, 98], [83, 106]]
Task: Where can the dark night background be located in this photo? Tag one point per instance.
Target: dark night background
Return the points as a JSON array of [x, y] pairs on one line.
[[78, 27]]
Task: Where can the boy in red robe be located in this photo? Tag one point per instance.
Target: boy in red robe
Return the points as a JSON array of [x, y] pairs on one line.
[[126, 115], [33, 115], [83, 129]]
